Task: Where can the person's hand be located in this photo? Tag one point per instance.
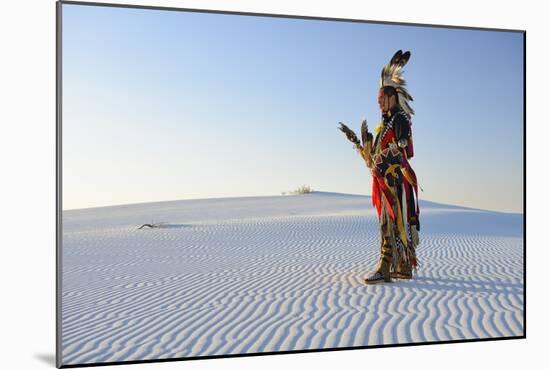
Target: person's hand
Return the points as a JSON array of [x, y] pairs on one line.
[[366, 154], [359, 150]]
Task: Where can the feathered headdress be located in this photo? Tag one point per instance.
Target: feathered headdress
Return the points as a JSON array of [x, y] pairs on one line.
[[392, 77]]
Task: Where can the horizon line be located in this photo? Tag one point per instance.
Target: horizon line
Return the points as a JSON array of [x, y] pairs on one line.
[[284, 195]]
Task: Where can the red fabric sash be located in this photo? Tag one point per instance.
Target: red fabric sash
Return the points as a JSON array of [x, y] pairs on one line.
[[380, 188]]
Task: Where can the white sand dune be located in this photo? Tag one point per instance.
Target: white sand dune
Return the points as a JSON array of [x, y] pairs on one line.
[[265, 274]]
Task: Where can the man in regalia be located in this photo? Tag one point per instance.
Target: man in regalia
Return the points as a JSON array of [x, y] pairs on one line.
[[394, 187]]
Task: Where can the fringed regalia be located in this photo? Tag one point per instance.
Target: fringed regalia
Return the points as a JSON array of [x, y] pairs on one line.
[[395, 191], [394, 184]]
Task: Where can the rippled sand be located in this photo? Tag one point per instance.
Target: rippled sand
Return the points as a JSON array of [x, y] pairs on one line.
[[265, 274]]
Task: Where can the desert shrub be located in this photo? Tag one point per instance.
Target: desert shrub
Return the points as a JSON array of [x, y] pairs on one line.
[[301, 190]]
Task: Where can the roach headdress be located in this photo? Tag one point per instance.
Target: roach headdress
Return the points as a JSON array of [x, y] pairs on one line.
[[392, 77]]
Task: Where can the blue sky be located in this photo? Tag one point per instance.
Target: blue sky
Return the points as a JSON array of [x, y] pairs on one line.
[[161, 105]]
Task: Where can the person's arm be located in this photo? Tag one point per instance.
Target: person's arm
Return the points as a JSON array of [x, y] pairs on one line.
[[402, 130]]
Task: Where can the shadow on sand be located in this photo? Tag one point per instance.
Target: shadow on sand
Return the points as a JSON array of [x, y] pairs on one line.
[[458, 285], [473, 223]]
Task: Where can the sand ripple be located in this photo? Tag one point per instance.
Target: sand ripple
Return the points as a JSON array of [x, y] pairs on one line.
[[289, 279]]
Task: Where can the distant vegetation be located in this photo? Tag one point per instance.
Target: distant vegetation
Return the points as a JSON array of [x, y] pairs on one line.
[[299, 191]]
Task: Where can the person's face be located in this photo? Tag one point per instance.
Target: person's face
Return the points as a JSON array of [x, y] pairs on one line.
[[385, 102], [382, 101]]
